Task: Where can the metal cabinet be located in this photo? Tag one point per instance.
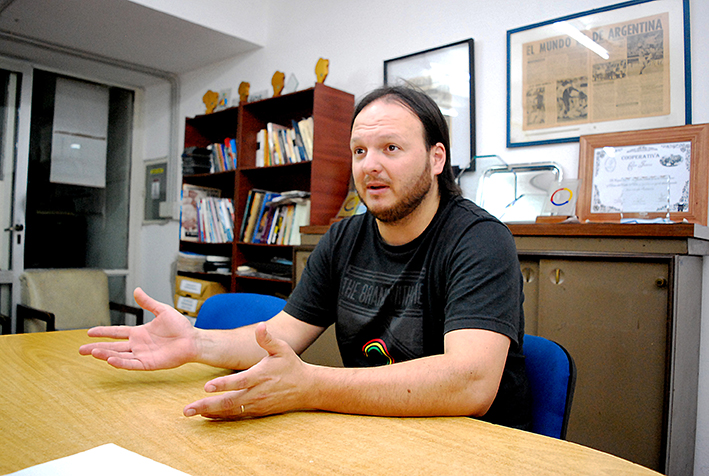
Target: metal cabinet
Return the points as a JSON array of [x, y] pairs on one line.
[[612, 316], [626, 303]]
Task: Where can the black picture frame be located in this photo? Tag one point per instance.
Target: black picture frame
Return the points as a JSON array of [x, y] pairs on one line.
[[451, 85]]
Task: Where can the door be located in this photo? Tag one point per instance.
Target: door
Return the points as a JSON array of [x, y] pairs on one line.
[[78, 182], [612, 317], [15, 105]]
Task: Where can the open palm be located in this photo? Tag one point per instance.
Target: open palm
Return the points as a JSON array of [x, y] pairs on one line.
[[163, 343]]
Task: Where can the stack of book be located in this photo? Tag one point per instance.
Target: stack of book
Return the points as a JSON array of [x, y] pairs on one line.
[[218, 265], [217, 157], [275, 218], [278, 268], [278, 144], [216, 220], [188, 262], [204, 216], [223, 155], [196, 160]]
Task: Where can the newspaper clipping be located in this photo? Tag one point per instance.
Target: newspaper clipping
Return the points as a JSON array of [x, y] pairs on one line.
[[566, 83]]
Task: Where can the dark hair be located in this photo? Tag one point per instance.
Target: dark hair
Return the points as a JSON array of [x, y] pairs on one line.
[[434, 125]]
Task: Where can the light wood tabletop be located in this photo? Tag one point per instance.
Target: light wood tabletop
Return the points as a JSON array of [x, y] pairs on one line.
[[55, 403]]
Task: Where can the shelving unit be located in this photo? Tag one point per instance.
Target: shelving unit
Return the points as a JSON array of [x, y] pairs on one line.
[[326, 177]]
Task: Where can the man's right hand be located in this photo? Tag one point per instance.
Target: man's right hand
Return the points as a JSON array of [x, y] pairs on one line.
[[166, 342]]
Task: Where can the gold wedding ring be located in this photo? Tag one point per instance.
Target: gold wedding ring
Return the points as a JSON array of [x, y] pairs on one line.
[[242, 409]]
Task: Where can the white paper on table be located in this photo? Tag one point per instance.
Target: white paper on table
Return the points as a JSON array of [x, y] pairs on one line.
[[106, 460]]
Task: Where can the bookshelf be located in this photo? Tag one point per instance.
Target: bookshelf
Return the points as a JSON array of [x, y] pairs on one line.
[[326, 176]]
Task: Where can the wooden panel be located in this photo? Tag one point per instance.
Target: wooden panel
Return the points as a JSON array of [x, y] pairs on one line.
[[612, 318]]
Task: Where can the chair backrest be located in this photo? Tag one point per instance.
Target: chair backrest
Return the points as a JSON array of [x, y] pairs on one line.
[[232, 310], [552, 378], [77, 297]]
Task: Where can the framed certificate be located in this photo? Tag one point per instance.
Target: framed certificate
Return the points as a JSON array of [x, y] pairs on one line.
[[649, 174], [617, 68]]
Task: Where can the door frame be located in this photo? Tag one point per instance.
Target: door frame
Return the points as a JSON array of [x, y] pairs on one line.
[[12, 276], [21, 158]]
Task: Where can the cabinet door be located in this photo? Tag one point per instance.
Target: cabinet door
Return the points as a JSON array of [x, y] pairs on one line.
[[530, 275], [612, 317]]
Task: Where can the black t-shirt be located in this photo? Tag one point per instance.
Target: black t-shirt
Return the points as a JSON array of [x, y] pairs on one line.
[[395, 303]]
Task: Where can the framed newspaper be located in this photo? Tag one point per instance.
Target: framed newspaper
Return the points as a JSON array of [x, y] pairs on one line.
[[654, 175], [619, 68], [446, 74]]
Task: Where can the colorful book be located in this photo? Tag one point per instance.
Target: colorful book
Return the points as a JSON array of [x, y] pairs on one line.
[[189, 216]]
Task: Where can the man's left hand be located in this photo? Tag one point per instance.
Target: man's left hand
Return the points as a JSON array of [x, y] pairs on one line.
[[275, 385]]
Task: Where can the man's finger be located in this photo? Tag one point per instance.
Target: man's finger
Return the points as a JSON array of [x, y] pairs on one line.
[[221, 406], [125, 364], [229, 382], [113, 332], [269, 343], [121, 346], [146, 302]]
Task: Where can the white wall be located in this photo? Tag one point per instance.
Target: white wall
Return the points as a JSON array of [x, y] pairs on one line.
[[358, 36], [159, 242]]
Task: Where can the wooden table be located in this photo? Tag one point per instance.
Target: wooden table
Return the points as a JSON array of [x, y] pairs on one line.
[[56, 403]]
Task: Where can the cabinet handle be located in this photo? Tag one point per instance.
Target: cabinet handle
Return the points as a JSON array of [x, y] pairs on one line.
[[557, 276], [661, 283], [527, 275]]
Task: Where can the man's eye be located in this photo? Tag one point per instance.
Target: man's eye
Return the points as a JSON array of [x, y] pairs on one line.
[[358, 151], [392, 148]]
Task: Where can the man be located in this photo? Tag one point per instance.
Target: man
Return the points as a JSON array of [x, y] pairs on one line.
[[424, 281]]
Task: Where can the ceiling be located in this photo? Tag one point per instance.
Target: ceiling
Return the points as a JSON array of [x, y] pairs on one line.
[[115, 40]]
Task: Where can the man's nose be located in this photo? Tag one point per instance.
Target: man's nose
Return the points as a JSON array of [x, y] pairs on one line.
[[371, 162]]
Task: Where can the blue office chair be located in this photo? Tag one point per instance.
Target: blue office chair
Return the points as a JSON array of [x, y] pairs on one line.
[[232, 310], [552, 378]]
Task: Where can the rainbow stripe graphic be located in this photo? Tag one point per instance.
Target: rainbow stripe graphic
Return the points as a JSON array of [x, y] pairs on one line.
[[377, 347]]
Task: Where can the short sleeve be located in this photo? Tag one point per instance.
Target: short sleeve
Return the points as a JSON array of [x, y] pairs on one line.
[[314, 299], [484, 282]]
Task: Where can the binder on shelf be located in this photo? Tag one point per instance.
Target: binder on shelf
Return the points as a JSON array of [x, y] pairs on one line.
[[306, 128], [196, 160], [264, 218], [251, 213], [262, 152]]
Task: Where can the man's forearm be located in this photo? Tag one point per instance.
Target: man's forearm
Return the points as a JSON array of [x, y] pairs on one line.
[[237, 348], [438, 385]]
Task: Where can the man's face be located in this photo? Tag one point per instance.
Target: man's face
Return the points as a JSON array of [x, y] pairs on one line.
[[393, 172]]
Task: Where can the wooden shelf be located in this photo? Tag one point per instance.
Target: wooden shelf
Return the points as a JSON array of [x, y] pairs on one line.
[[326, 177], [669, 230]]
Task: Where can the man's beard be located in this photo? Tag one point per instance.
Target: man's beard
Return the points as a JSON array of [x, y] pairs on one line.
[[416, 194]]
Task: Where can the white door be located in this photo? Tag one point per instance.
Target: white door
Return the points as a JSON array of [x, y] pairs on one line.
[[15, 105]]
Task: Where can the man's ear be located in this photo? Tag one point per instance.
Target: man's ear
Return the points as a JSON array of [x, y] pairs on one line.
[[438, 158]]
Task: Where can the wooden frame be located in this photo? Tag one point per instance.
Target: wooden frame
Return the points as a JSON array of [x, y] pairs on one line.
[[578, 74], [447, 74], [612, 163]]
